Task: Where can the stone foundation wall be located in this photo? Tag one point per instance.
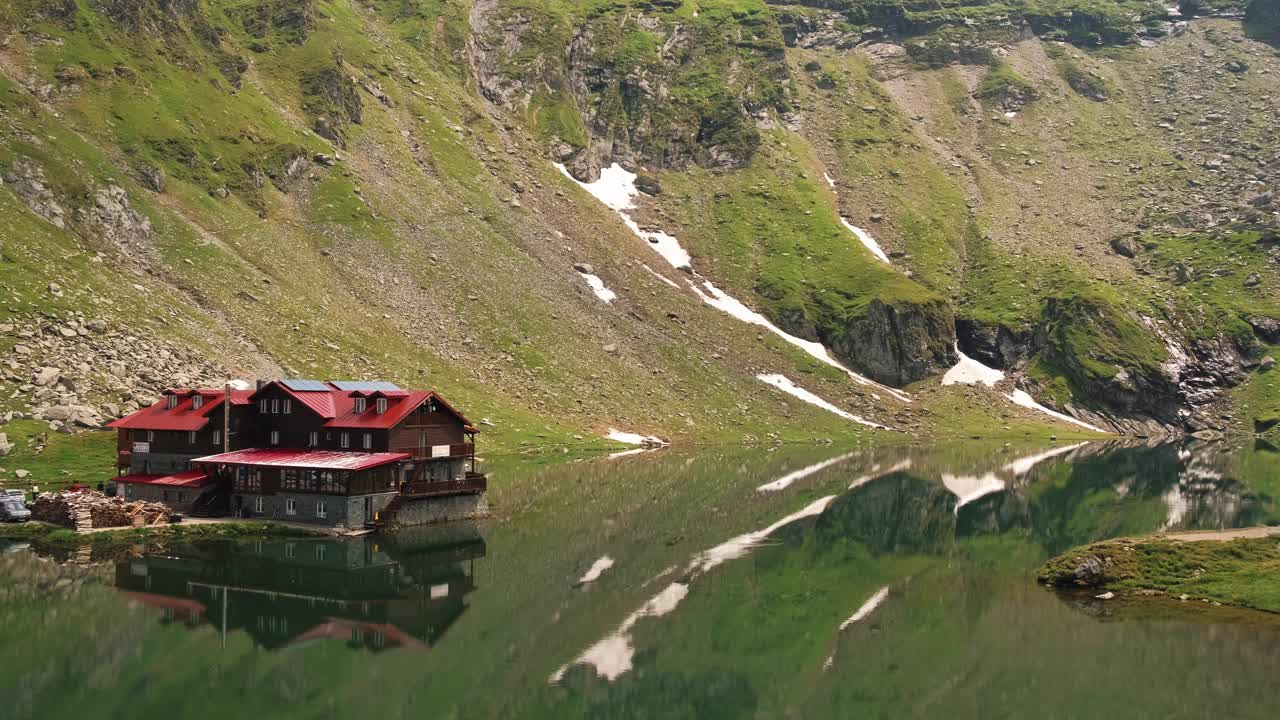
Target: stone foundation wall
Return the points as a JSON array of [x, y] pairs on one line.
[[442, 509]]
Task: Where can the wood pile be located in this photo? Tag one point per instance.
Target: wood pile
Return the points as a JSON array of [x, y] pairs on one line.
[[89, 509]]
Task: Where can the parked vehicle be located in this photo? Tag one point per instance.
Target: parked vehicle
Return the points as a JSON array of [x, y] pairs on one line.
[[18, 495], [12, 510]]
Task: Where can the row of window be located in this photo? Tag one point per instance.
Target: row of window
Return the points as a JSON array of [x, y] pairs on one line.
[[290, 508], [344, 439], [361, 404], [275, 406]]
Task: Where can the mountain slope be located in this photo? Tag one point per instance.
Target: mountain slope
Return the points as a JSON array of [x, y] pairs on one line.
[[341, 189]]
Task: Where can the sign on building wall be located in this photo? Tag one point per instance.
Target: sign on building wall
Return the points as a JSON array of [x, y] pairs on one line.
[[142, 447], [439, 451]]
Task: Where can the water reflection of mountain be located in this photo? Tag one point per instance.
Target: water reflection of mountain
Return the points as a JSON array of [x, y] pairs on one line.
[[1062, 498], [373, 593]]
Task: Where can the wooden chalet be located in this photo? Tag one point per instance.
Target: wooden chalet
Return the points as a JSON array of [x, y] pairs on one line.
[[339, 453]]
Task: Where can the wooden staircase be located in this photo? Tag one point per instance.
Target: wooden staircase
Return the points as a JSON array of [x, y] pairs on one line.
[[385, 517]]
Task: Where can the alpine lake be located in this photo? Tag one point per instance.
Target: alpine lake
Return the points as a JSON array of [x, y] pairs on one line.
[[797, 582]]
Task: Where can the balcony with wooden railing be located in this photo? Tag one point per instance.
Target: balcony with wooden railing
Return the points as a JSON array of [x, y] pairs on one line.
[[472, 484], [459, 451]]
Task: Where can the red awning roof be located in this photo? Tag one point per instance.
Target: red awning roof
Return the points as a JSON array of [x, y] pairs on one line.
[[190, 478], [310, 459]]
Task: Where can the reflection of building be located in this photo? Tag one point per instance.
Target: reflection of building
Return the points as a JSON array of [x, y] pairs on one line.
[[285, 592]]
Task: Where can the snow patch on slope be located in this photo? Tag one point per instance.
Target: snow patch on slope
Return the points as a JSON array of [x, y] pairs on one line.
[[865, 238], [971, 372], [783, 383], [1021, 397], [597, 286], [631, 438]]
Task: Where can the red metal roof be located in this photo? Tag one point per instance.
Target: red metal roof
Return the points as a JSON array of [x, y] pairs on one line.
[[190, 478], [182, 416], [337, 406], [310, 459]]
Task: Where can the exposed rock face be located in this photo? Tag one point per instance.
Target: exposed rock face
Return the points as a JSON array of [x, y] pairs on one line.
[[995, 345], [112, 218], [1264, 16], [897, 344], [642, 90], [332, 99], [27, 180]]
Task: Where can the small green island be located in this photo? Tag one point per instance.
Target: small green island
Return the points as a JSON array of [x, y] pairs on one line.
[[1241, 572]]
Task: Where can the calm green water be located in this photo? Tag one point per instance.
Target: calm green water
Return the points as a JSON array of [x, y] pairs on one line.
[[805, 583]]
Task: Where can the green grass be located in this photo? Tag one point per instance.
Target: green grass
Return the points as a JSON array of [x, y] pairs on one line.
[[1237, 572], [56, 459], [53, 538], [1003, 81]]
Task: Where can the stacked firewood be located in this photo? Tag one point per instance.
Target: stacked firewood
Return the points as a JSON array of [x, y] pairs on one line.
[[89, 509]]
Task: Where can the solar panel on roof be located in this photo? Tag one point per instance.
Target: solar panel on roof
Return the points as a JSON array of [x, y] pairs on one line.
[[364, 385], [297, 385]]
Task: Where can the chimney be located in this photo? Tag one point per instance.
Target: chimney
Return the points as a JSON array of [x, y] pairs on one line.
[[259, 384]]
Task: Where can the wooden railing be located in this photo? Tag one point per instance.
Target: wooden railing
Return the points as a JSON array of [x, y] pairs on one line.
[[473, 483], [456, 450]]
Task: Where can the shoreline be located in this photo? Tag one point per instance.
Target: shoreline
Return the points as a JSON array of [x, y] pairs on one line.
[[56, 537], [1235, 568]]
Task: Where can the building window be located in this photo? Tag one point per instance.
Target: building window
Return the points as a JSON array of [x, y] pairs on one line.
[[263, 405], [322, 509], [313, 439], [288, 406], [275, 437], [290, 549], [166, 496], [151, 436], [275, 406], [182, 497], [321, 549], [382, 405], [197, 402], [368, 441], [290, 507], [360, 405], [257, 507], [171, 401], [217, 437], [191, 437], [344, 440]]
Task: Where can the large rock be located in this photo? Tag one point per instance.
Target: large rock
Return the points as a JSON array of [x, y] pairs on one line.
[[6, 447], [46, 376], [898, 343]]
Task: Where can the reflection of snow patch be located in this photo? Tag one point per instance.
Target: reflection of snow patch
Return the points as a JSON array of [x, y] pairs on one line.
[[624, 453], [876, 473], [968, 488], [859, 615], [612, 656], [1022, 466], [865, 238], [596, 570], [783, 383], [597, 287], [1176, 502], [1020, 397], [785, 481], [867, 608], [631, 438], [971, 372]]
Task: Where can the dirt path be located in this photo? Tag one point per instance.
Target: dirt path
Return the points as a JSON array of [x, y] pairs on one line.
[[1197, 535]]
